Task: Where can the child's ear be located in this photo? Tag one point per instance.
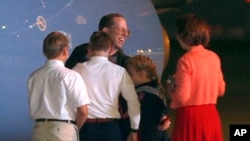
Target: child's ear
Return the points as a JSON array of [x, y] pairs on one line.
[[65, 51]]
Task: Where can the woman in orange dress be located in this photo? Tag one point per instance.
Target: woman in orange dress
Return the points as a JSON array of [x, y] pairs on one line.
[[198, 82]]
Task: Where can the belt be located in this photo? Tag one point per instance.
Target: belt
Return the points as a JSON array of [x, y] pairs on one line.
[[124, 116], [58, 120], [100, 120]]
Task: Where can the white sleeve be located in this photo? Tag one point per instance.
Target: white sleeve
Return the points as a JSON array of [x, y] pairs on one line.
[[129, 94]]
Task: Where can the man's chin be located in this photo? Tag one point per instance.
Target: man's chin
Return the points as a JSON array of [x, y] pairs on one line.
[[119, 46]]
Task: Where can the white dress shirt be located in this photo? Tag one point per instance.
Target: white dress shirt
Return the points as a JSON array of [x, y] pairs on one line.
[[105, 81], [55, 92]]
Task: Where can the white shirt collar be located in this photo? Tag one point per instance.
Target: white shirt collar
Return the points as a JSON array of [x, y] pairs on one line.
[[98, 58], [54, 62]]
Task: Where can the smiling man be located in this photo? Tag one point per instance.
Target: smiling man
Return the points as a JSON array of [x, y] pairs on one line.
[[116, 26]]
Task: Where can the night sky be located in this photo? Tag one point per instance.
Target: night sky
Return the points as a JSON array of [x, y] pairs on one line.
[[229, 18]]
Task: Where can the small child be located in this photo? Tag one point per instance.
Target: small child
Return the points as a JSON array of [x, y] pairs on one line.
[[151, 96]]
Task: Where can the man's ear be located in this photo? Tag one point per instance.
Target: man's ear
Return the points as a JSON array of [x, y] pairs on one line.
[[64, 54], [105, 29], [65, 51], [88, 52], [112, 50]]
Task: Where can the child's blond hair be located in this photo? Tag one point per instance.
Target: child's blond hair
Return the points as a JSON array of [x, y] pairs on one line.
[[142, 62]]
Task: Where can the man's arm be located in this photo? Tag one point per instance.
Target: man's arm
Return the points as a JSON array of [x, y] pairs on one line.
[[81, 116], [129, 94], [133, 136]]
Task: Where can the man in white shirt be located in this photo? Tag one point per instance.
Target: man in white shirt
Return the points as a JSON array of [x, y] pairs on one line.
[[57, 95], [105, 81]]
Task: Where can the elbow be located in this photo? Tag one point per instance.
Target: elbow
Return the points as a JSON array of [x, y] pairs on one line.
[[83, 111], [222, 89]]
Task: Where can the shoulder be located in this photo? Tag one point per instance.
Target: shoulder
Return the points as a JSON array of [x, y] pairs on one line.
[[213, 53], [185, 59], [36, 72], [116, 70], [78, 66], [150, 90], [70, 74], [116, 66]]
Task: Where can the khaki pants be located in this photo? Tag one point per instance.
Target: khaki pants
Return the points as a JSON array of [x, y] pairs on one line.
[[55, 131]]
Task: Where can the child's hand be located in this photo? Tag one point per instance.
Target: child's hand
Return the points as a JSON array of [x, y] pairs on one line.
[[165, 123], [170, 84]]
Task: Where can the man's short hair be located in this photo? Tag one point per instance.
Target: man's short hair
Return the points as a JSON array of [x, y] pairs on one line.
[[108, 20], [100, 40], [54, 43]]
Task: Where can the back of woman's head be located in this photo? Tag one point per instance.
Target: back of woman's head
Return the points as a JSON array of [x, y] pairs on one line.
[[193, 30]]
